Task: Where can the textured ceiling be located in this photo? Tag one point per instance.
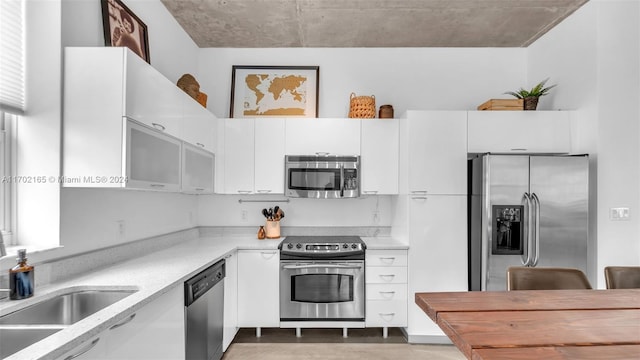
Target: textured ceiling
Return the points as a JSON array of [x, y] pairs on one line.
[[368, 23]]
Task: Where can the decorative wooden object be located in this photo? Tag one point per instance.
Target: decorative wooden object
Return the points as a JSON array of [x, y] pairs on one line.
[[502, 104]]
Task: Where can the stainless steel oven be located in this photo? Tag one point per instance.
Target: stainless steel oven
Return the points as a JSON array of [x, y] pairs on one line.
[[322, 176], [322, 279]]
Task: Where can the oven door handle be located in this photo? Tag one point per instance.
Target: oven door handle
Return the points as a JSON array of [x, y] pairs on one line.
[[321, 266]]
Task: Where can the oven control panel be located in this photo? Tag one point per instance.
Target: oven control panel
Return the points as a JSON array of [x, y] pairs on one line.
[[322, 248]]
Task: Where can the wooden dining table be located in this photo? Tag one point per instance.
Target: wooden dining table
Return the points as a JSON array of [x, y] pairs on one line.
[[539, 324]]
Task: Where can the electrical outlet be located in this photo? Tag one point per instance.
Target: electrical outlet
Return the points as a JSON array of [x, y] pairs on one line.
[[375, 216], [618, 214], [244, 215], [121, 229]]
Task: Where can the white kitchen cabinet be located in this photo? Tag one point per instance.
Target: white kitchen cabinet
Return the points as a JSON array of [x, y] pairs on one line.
[[258, 288], [124, 123], [519, 132], [92, 349], [199, 126], [386, 290], [230, 300], [433, 152], [102, 85], [153, 160], [437, 253], [379, 146], [269, 156], [239, 156], [322, 136], [198, 166], [156, 331]]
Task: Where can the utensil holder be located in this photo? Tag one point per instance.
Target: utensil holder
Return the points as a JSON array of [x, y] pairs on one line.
[[273, 229]]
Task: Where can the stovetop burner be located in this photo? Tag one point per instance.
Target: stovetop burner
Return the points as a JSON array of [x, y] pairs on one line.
[[322, 247]]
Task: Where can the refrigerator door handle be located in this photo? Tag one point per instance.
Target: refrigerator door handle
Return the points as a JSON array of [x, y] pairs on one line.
[[526, 201], [536, 229]]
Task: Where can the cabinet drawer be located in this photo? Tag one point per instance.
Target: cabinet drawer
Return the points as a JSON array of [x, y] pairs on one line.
[[386, 258], [386, 313], [387, 292], [386, 275]]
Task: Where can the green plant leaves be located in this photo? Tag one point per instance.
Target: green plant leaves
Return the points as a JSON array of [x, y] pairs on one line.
[[536, 91]]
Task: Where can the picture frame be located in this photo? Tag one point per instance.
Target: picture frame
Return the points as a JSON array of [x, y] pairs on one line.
[[274, 91], [123, 28]]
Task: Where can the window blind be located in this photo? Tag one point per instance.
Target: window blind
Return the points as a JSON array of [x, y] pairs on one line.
[[12, 49]]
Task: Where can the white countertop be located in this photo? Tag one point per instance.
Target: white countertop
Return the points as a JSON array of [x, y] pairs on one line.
[[151, 275]]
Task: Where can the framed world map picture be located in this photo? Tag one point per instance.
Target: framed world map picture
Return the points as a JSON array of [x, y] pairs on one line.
[[274, 91]]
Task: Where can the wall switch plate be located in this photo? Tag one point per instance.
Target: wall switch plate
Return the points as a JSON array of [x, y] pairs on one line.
[[618, 214]]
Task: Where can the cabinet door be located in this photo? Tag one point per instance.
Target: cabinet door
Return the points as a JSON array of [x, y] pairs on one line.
[[150, 97], [198, 170], [93, 349], [155, 331], [379, 157], [199, 126], [239, 156], [269, 156], [152, 158], [437, 153], [437, 253], [333, 136], [258, 288], [519, 132], [230, 300]]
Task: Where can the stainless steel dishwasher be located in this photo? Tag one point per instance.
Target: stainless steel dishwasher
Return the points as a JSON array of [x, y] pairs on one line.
[[204, 311]]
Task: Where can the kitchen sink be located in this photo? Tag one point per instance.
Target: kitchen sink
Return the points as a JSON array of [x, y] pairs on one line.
[[65, 309], [15, 339]]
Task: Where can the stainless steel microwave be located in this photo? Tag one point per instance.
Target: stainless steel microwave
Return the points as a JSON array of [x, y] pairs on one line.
[[322, 176]]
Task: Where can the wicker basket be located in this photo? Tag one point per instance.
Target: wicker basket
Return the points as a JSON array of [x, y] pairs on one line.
[[362, 107]]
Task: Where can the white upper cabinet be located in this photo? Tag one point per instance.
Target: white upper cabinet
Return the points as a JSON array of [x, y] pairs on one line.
[[153, 160], [125, 124], [198, 126], [269, 156], [197, 170], [239, 156], [379, 156], [433, 154], [519, 132], [322, 136]]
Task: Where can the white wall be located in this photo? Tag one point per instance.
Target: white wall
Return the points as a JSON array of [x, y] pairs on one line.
[[594, 56], [407, 78], [225, 210], [38, 131]]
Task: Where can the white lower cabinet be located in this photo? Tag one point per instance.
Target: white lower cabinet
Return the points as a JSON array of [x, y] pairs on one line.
[[157, 330], [230, 300], [258, 288], [386, 289], [93, 349]]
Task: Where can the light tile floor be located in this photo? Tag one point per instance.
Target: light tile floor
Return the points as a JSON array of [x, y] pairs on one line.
[[328, 344]]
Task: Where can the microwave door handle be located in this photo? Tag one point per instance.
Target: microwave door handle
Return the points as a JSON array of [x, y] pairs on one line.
[[341, 180]]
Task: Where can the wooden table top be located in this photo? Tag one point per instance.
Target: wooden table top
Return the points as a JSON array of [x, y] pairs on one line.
[[539, 324]]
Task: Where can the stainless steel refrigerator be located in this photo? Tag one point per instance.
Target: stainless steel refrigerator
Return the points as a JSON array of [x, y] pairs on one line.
[[526, 210]]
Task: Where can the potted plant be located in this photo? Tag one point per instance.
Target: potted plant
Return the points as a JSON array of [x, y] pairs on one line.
[[531, 97]]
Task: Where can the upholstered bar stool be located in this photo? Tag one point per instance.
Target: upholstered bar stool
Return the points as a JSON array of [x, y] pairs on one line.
[[545, 278], [622, 277]]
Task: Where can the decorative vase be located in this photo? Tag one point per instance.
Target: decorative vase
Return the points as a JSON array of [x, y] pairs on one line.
[[530, 103]]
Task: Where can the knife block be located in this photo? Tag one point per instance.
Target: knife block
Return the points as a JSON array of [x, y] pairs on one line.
[[273, 229]]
